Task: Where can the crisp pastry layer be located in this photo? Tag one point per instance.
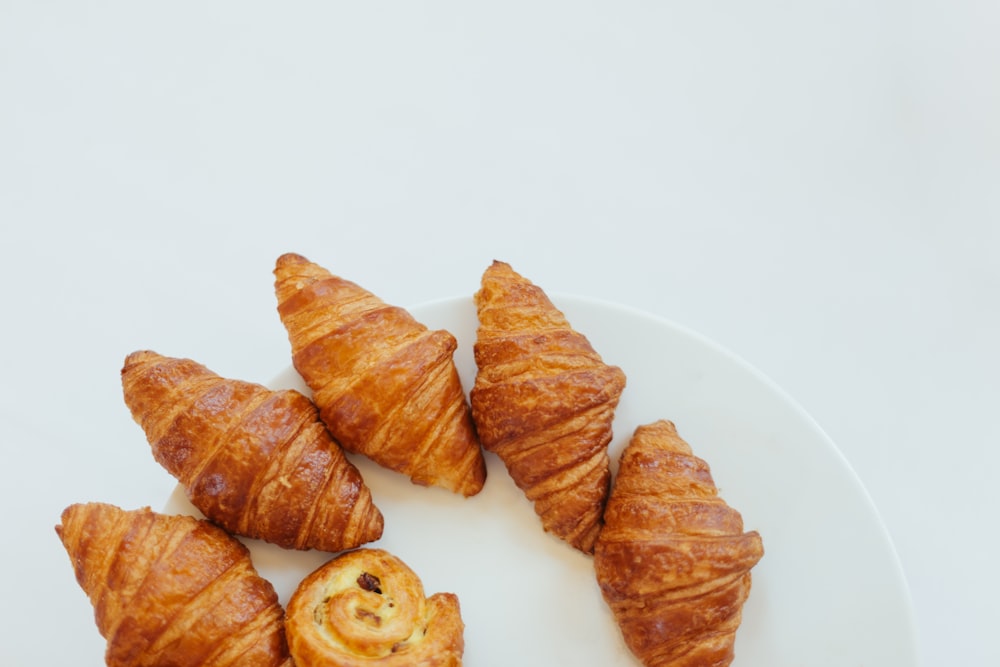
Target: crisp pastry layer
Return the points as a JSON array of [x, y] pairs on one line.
[[172, 590], [258, 462], [673, 560], [544, 402], [386, 386], [367, 607]]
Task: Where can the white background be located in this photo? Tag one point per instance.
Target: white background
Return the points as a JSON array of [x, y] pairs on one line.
[[812, 185]]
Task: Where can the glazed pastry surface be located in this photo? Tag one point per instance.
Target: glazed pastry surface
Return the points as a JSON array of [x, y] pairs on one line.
[[258, 462], [544, 402], [385, 384], [172, 590], [673, 560], [367, 607]]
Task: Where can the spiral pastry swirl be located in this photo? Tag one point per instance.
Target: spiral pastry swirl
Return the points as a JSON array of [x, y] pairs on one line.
[[367, 607]]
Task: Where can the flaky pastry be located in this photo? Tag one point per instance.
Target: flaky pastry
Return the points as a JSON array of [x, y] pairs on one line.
[[172, 590], [544, 402], [385, 384], [672, 560], [258, 462]]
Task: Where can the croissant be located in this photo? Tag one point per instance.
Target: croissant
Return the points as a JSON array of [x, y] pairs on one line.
[[544, 402], [367, 607], [672, 560], [386, 386], [172, 590], [257, 462]]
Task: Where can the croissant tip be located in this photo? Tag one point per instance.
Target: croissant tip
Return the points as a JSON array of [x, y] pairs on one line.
[[497, 270], [471, 489], [67, 516], [663, 423], [290, 258], [139, 356], [63, 519]]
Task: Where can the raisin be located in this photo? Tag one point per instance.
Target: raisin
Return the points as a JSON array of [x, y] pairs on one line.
[[370, 582]]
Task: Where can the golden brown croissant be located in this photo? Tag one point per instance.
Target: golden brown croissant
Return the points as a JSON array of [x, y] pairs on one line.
[[172, 590], [672, 560], [544, 401], [257, 462], [367, 607], [386, 386]]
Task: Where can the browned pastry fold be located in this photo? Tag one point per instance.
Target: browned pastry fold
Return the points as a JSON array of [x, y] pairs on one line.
[[257, 462], [544, 401], [385, 384], [673, 561], [367, 607], [172, 590]]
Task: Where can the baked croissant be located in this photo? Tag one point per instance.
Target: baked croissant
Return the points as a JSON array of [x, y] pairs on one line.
[[544, 402], [367, 607], [172, 590], [673, 561], [255, 461], [386, 386]]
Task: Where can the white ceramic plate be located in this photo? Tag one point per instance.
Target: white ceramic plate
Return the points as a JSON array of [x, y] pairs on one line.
[[828, 593]]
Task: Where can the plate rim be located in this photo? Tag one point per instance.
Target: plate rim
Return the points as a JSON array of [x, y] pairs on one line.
[[901, 584]]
